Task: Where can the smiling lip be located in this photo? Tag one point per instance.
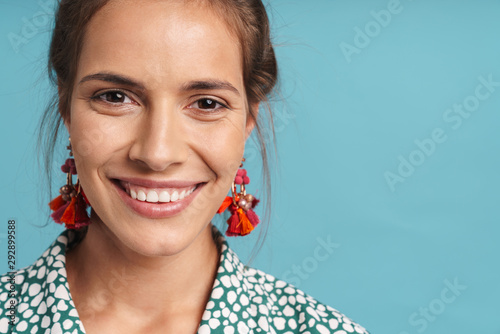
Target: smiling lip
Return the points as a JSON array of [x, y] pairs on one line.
[[156, 210]]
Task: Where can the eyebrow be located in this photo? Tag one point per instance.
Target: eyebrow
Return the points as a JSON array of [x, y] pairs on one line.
[[209, 84], [113, 78]]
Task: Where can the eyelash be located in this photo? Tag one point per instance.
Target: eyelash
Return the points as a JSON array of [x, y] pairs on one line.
[[100, 97]]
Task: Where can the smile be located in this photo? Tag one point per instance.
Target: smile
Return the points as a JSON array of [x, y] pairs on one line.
[[157, 195], [157, 199]]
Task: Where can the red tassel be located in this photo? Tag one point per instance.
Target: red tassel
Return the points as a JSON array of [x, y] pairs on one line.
[[56, 203], [252, 217], [255, 202], [227, 202], [234, 228], [246, 226], [81, 216], [69, 214], [57, 215], [84, 196]]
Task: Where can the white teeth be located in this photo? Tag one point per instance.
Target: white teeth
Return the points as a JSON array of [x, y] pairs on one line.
[[152, 196], [164, 197], [141, 195], [174, 197]]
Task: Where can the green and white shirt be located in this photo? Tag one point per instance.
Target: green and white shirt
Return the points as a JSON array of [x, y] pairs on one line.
[[243, 300]]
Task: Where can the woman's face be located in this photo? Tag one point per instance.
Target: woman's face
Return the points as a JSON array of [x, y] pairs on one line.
[[158, 109]]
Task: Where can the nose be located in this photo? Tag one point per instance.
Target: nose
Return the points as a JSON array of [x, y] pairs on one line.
[[159, 141]]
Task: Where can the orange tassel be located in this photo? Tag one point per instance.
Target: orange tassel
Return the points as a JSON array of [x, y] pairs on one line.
[[68, 216], [56, 203], [246, 226], [227, 202]]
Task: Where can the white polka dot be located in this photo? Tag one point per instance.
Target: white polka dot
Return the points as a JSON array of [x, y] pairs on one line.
[[242, 328], [45, 322], [34, 289], [55, 250], [206, 315], [41, 272], [67, 324], [213, 323], [244, 300], [217, 293], [348, 328], [19, 279], [301, 299], [263, 323], [22, 326], [4, 325], [233, 318], [292, 323], [235, 281], [279, 323], [52, 276], [229, 330], [61, 306], [56, 329], [312, 312], [42, 308], [225, 281], [231, 297], [225, 312], [61, 293], [333, 323], [36, 301], [28, 314]]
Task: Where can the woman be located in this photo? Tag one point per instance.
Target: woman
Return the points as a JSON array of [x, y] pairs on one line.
[[158, 99]]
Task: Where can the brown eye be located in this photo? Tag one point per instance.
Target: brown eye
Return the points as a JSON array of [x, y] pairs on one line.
[[114, 97], [208, 104]]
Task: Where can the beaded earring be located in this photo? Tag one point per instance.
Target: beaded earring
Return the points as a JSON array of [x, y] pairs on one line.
[[243, 219], [70, 207]]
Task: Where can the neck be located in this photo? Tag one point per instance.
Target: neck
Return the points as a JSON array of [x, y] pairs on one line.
[[102, 276]]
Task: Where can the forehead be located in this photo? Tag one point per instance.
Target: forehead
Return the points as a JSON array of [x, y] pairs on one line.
[[161, 41]]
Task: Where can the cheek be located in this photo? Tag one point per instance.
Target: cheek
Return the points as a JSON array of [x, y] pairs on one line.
[[93, 140], [222, 145]]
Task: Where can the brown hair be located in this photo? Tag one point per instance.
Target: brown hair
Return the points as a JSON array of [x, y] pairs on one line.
[[247, 19]]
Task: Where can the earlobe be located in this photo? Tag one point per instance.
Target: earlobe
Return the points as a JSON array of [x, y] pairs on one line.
[[251, 121]]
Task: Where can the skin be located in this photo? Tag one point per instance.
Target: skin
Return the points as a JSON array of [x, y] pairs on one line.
[[132, 273]]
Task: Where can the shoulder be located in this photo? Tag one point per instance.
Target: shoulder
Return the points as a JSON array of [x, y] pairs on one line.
[[292, 310], [33, 297], [255, 302]]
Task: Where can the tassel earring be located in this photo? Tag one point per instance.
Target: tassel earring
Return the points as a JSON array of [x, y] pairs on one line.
[[70, 207], [243, 219]]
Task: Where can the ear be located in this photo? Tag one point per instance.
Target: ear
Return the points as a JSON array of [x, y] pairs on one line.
[[251, 122]]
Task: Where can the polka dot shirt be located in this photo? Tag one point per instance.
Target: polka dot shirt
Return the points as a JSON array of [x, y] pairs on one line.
[[243, 300]]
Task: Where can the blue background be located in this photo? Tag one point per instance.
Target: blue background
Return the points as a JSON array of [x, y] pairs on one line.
[[353, 107]]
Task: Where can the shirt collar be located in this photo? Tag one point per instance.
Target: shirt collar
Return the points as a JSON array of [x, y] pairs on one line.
[[228, 284]]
